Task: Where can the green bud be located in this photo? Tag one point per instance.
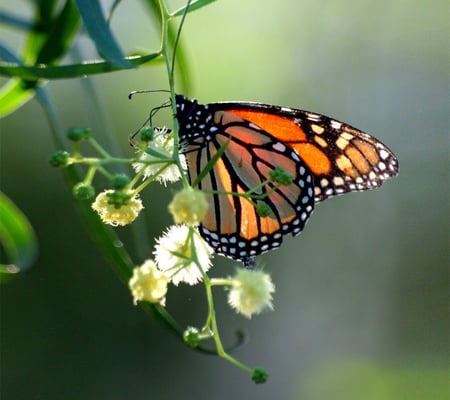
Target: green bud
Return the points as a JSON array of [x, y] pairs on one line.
[[59, 158], [119, 181], [118, 198], [191, 336], [77, 134], [147, 134], [281, 176], [263, 210], [259, 375], [83, 191]]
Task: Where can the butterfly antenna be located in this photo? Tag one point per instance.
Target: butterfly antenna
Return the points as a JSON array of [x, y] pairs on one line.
[[149, 120], [155, 110], [131, 94]]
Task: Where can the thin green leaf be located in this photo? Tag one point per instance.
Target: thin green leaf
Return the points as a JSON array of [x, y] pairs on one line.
[[195, 5], [17, 238], [14, 21], [45, 11], [6, 54], [41, 47], [59, 34], [16, 92], [13, 95], [69, 71], [98, 29]]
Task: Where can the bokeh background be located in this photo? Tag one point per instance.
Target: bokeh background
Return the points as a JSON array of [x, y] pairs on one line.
[[361, 302]]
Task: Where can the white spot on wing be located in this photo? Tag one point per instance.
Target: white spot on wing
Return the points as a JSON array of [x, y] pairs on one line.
[[384, 154], [335, 124], [279, 147]]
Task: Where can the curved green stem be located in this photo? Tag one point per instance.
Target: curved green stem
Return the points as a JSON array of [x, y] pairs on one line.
[[211, 322]]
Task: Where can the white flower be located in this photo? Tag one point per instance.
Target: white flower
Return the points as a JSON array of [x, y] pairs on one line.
[[148, 283], [188, 206], [173, 254], [251, 292], [162, 143], [117, 208]]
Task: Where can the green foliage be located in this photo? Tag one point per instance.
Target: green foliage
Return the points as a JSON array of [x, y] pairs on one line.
[[17, 237], [50, 36], [98, 29]]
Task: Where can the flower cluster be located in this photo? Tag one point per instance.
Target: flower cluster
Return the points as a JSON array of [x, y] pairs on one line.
[[180, 255]]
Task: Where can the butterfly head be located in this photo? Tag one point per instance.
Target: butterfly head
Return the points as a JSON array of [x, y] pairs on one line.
[[193, 119]]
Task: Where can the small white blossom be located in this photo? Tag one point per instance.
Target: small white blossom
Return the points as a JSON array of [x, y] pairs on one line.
[[112, 215], [163, 144], [148, 283], [173, 255], [189, 206], [251, 292]]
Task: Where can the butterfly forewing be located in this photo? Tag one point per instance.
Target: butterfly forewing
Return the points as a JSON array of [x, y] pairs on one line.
[[341, 158]]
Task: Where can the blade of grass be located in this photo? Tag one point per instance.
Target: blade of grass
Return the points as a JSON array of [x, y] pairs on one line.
[[13, 95], [70, 71], [17, 237], [59, 35], [42, 46], [98, 29], [14, 21], [195, 5]]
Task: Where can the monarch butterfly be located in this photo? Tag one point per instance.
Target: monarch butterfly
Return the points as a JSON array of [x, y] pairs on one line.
[[324, 156]]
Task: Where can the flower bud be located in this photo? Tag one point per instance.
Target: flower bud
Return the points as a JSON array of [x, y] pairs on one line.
[[147, 134], [77, 134], [119, 181], [281, 176], [83, 191], [59, 158]]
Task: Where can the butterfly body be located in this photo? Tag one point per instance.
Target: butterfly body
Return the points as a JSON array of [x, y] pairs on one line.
[[325, 157]]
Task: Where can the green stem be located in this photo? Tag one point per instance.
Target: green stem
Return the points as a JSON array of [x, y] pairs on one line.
[[221, 282], [216, 336], [90, 175], [170, 65], [211, 322], [99, 148], [101, 161]]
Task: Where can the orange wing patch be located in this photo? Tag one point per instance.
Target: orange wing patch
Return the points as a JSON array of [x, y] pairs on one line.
[[288, 131], [316, 160], [283, 129]]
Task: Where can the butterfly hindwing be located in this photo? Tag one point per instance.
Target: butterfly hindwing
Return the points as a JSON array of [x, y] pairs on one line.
[[232, 226]]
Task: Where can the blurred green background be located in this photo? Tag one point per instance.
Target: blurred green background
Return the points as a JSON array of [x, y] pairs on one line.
[[361, 303]]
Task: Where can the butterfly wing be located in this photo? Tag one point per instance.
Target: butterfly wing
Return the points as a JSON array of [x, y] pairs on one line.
[[326, 157], [341, 158], [232, 226]]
